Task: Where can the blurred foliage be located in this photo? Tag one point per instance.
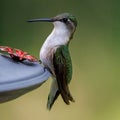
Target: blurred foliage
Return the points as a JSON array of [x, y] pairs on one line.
[[95, 52]]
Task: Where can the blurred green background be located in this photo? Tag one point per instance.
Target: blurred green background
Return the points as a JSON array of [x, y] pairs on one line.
[[95, 52]]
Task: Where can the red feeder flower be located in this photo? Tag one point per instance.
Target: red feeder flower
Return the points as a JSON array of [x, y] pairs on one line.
[[18, 54]]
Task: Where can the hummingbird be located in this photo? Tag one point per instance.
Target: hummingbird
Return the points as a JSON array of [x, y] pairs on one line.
[[55, 56]]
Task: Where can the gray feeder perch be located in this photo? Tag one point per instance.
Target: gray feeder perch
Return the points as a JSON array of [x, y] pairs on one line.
[[18, 78]]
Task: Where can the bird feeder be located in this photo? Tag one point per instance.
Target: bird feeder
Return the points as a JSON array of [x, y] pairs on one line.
[[19, 77]]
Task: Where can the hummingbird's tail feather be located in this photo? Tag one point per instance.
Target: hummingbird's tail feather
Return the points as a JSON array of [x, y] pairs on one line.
[[51, 100], [53, 95]]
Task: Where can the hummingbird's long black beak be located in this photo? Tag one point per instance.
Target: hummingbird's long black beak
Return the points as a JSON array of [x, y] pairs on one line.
[[42, 20]]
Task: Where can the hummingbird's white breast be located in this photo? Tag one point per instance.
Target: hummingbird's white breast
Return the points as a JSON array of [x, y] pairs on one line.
[[59, 36]]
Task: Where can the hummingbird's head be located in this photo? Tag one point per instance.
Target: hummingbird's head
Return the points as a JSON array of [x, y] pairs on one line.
[[67, 20], [64, 21]]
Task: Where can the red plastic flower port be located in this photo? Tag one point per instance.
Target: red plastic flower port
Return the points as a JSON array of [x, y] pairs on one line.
[[6, 49], [18, 54]]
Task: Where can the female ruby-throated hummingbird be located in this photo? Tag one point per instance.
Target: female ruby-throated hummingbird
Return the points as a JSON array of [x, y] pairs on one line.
[[55, 55]]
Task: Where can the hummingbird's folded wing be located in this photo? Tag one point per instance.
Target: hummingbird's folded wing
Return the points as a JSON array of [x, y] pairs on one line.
[[63, 71]]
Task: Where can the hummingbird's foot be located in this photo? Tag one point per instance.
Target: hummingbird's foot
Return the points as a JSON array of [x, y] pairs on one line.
[[44, 69], [40, 61], [43, 66]]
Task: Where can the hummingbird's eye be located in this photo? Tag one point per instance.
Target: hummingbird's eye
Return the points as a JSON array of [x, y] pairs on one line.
[[65, 20]]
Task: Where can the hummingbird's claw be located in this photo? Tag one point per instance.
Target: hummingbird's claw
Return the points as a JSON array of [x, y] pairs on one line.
[[40, 61]]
